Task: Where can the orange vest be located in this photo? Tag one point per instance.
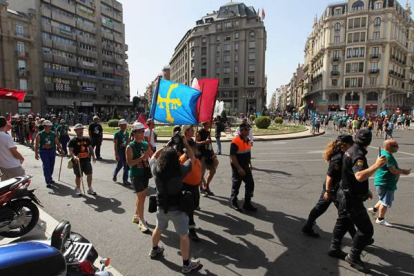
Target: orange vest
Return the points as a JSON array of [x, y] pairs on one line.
[[242, 146], [194, 176]]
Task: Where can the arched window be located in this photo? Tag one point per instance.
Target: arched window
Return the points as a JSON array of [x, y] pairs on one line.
[[377, 22], [358, 5], [337, 27]]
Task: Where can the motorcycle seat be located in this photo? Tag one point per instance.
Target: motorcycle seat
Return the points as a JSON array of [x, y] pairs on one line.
[[9, 183]]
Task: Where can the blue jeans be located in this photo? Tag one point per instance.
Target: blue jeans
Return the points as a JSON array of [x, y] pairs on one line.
[[218, 142], [122, 164], [48, 159]]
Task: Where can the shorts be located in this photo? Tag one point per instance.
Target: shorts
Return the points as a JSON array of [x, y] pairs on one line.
[[85, 165], [11, 172], [178, 218], [385, 195], [139, 183]]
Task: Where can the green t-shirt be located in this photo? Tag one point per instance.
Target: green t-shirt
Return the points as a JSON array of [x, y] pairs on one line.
[[62, 130], [47, 140], [138, 150], [122, 138], [383, 176], [355, 123]]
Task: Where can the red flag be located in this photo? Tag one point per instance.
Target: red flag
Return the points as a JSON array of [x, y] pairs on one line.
[[141, 119], [9, 122], [258, 16], [17, 94], [263, 14], [207, 100]]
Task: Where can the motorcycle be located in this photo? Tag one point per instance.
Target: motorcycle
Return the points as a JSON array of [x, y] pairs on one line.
[[18, 213], [66, 253]]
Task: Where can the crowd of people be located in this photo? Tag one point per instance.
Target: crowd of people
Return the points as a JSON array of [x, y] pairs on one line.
[[184, 168]]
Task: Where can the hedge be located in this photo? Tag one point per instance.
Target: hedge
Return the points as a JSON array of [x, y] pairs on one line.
[[113, 123], [278, 120], [263, 122]]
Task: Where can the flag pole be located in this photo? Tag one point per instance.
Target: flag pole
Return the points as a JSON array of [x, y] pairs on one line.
[[154, 105], [199, 111]]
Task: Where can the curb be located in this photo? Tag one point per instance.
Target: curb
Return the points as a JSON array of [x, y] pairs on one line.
[[256, 138]]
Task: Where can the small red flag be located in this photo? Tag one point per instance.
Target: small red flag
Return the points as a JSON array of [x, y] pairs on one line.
[[263, 14], [9, 122], [141, 119], [17, 94], [207, 100]]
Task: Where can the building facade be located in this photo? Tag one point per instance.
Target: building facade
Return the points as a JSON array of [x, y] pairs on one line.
[[228, 44], [81, 53], [18, 58], [360, 56]]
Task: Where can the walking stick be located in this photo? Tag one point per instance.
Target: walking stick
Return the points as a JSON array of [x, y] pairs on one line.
[[81, 177], [60, 169]]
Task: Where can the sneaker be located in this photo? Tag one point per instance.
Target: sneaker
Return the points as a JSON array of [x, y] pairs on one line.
[[91, 191], [127, 183], [114, 178], [49, 186], [357, 263], [383, 222], [78, 192], [235, 205], [155, 252], [143, 226], [310, 232], [52, 182], [372, 211], [193, 265], [135, 219], [193, 235], [209, 192]]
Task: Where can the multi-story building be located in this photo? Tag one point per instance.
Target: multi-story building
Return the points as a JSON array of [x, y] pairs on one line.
[[360, 54], [228, 44], [283, 97], [18, 58], [275, 103], [82, 53]]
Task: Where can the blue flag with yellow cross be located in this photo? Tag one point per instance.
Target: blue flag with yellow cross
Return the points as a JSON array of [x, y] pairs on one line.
[[175, 103]]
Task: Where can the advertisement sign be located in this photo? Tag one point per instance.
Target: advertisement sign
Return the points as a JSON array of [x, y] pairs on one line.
[[88, 89]]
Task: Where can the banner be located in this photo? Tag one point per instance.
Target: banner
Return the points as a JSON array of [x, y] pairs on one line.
[[175, 103], [17, 94], [206, 103]]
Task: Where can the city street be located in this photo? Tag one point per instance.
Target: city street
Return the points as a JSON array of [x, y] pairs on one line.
[[288, 177]]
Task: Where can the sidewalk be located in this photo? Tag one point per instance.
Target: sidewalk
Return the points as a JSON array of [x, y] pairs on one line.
[[228, 137], [43, 231]]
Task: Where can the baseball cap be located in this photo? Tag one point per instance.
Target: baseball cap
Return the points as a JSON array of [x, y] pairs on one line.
[[184, 128], [78, 126], [95, 117], [363, 137], [122, 122], [47, 123], [137, 126], [345, 138], [62, 121]]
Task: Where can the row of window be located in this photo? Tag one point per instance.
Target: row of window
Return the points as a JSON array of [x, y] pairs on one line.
[[226, 81]]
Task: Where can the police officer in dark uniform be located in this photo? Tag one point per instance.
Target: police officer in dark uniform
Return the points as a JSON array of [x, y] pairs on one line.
[[241, 166], [333, 154], [353, 192]]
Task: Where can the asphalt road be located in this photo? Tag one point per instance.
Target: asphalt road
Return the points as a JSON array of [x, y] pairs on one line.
[[288, 177]]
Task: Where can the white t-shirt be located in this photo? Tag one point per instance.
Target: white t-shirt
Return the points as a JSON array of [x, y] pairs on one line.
[[7, 160], [147, 134]]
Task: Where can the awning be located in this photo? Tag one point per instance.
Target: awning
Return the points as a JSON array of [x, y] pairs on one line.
[[16, 94]]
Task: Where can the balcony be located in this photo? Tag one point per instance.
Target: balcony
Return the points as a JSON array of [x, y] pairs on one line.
[[374, 71], [107, 46], [26, 36], [62, 4], [46, 27], [107, 69], [118, 17], [84, 27], [87, 65], [22, 54], [108, 58], [65, 61], [119, 61], [85, 39], [118, 38], [46, 13], [23, 72], [336, 59], [119, 27], [85, 14], [61, 18], [87, 53], [63, 33], [117, 6], [107, 12], [64, 47], [375, 56], [118, 50], [335, 73]]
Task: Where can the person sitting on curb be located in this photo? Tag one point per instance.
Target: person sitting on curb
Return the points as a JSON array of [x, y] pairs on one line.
[[385, 182]]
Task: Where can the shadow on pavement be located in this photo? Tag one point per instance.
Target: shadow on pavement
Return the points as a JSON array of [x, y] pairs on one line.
[[106, 161], [403, 227], [272, 171], [395, 262], [102, 204]]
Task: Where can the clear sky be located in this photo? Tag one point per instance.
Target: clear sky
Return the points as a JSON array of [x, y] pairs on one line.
[[154, 28]]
